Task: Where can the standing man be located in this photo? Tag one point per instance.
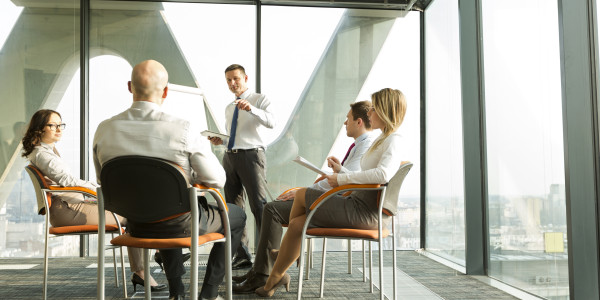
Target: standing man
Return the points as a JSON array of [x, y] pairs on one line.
[[276, 213], [145, 130], [245, 161]]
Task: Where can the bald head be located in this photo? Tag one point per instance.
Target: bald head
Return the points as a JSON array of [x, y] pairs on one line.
[[149, 82]]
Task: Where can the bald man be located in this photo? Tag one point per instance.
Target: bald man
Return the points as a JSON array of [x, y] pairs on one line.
[[145, 130]]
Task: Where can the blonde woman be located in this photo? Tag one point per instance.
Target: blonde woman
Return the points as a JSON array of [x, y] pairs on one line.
[[44, 131], [359, 210]]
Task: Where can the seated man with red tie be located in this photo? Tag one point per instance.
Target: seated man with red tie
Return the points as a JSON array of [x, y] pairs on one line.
[[276, 213]]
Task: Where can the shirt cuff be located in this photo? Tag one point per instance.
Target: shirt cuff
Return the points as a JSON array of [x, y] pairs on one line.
[[342, 179]]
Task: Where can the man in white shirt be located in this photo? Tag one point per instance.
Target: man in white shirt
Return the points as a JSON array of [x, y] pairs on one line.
[[245, 161], [276, 213], [145, 130]]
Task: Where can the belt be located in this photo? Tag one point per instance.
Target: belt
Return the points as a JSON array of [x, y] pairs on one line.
[[245, 150]]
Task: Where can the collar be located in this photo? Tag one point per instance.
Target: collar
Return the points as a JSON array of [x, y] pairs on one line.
[[46, 146], [145, 105], [245, 94], [362, 137]]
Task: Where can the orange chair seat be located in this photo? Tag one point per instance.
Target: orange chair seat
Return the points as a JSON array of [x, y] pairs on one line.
[[347, 232], [130, 241], [80, 229]]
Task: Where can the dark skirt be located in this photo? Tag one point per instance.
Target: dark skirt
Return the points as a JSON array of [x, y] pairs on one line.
[[359, 210]]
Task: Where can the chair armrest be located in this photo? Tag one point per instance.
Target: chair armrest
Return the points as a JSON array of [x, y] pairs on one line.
[[289, 190], [213, 191], [344, 188], [75, 189]]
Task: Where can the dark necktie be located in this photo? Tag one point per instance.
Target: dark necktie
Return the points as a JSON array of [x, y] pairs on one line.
[[233, 127], [348, 153]]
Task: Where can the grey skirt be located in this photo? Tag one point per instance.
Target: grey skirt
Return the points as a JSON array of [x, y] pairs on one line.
[[359, 210]]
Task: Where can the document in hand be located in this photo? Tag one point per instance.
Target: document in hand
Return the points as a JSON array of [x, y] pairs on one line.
[[302, 161], [214, 134]]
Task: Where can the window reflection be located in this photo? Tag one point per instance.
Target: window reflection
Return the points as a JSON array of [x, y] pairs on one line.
[[445, 179], [526, 196]]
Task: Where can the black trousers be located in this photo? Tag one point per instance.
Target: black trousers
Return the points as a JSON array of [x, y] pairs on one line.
[[246, 169], [215, 270]]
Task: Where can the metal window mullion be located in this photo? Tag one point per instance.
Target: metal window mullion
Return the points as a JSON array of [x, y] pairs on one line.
[[423, 156], [578, 54], [474, 142], [84, 46]]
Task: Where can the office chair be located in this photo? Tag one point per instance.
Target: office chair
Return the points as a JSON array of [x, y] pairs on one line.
[[388, 204], [145, 190], [43, 193]]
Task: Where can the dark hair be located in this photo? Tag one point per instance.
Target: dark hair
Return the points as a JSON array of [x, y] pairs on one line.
[[236, 67], [33, 135], [360, 110]]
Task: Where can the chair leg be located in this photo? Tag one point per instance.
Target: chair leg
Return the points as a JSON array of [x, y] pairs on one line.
[[147, 287], [364, 262], [308, 257], [323, 268], [115, 267], [301, 268], [45, 290], [394, 255], [123, 273], [371, 266], [349, 256], [380, 268]]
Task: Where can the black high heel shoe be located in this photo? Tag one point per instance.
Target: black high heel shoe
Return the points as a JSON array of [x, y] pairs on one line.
[[159, 261], [136, 279]]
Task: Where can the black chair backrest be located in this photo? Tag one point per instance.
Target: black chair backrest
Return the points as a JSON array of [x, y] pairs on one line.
[[144, 189]]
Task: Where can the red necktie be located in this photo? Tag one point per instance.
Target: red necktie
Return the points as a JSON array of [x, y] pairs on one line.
[[347, 153]]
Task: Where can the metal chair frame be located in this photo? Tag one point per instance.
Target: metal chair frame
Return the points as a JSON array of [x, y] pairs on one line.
[[43, 194], [190, 242], [385, 192]]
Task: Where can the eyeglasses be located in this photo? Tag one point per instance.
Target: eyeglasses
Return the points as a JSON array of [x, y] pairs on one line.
[[55, 126]]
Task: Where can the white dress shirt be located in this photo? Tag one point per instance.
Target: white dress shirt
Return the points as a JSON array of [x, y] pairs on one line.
[[145, 130], [352, 163], [250, 123], [379, 165], [55, 168]]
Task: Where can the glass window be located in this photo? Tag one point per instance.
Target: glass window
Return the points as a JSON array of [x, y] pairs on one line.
[[525, 159], [195, 43], [38, 61], [314, 73], [445, 215]]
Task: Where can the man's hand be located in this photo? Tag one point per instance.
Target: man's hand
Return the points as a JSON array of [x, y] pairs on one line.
[[215, 140], [243, 104], [334, 164], [287, 196], [332, 180]]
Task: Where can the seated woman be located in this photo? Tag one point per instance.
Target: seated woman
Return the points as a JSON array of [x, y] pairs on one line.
[[44, 130], [359, 210]]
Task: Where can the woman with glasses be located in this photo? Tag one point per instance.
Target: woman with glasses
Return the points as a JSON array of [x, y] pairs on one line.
[[44, 131], [358, 210]]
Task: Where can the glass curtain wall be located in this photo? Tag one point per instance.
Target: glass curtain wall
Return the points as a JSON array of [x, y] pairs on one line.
[[195, 43], [445, 218], [341, 57], [315, 71], [525, 159], [38, 58]]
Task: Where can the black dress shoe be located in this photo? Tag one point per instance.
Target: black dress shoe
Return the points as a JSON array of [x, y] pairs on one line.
[[251, 284], [241, 263], [239, 279]]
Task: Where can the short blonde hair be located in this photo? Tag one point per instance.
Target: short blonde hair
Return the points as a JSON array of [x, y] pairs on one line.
[[390, 107]]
